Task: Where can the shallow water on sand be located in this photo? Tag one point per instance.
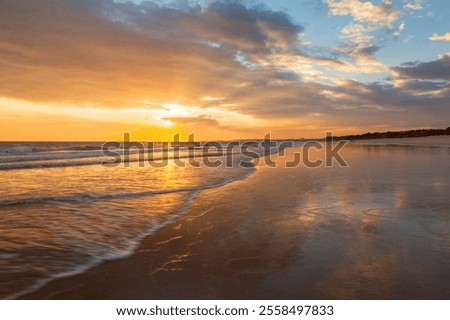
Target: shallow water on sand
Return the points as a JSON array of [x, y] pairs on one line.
[[61, 214], [377, 229]]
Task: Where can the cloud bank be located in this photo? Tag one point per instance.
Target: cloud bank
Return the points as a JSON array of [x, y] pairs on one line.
[[224, 59]]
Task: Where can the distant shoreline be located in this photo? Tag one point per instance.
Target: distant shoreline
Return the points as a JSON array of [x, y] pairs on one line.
[[419, 133]]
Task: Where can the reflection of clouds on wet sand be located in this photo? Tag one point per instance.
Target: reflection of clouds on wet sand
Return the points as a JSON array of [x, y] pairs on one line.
[[379, 229], [375, 230]]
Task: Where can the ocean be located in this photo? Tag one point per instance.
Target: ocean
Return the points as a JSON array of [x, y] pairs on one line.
[[62, 212]]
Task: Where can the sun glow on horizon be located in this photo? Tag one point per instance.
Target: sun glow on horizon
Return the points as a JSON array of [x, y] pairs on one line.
[[152, 121]]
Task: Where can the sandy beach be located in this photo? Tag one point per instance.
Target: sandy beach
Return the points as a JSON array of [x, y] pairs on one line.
[[292, 157], [363, 232]]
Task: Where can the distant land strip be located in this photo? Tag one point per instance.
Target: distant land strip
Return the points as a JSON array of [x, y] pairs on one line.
[[395, 134]]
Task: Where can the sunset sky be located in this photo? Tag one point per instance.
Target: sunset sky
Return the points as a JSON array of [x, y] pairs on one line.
[[93, 69]]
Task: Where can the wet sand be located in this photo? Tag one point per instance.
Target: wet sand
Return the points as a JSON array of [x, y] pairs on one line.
[[433, 141], [376, 230]]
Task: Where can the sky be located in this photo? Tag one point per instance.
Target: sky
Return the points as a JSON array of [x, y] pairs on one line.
[[95, 69]]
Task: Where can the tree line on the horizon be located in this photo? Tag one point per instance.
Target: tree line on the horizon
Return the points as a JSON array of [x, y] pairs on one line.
[[396, 134]]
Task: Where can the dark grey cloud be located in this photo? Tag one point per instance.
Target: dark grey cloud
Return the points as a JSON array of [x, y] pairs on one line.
[[370, 50], [227, 23], [199, 120], [421, 86], [438, 69]]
